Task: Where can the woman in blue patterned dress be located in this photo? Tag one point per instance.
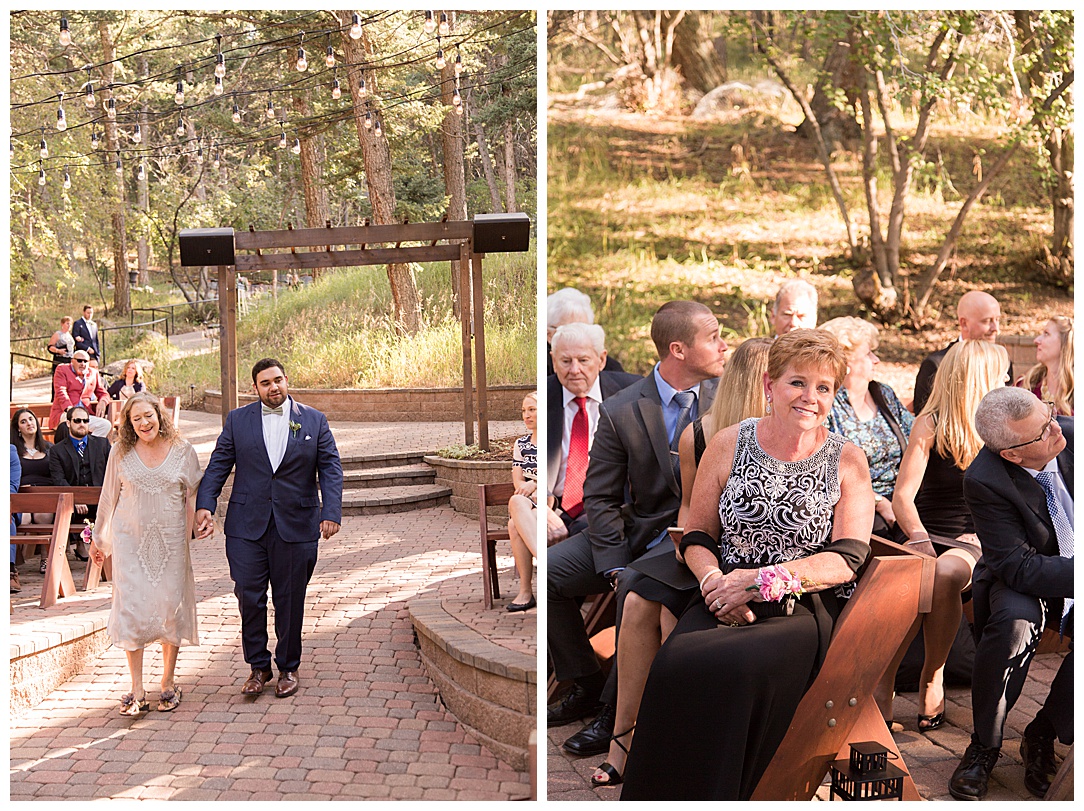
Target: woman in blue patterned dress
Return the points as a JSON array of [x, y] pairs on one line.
[[870, 414], [522, 524], [779, 499]]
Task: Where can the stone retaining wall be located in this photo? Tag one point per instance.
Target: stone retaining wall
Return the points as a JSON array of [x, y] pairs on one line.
[[37, 674], [464, 476], [394, 405]]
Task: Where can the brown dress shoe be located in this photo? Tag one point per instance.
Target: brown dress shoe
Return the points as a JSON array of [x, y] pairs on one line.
[[253, 686], [287, 685]]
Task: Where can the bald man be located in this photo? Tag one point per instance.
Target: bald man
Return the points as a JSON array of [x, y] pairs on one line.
[[979, 317]]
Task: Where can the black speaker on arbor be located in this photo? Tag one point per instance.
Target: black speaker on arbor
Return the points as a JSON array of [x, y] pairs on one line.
[[207, 246], [501, 233]]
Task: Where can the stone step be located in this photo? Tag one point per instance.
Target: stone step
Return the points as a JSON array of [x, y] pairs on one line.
[[371, 461], [398, 476], [380, 500]]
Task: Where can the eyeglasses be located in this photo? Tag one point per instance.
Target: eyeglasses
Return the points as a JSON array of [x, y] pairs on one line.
[[1046, 428], [81, 420], [80, 360]]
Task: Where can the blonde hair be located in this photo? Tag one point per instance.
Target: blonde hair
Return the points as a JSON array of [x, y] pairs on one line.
[[1036, 375], [803, 348], [740, 393], [852, 332], [531, 395], [128, 439], [970, 370]]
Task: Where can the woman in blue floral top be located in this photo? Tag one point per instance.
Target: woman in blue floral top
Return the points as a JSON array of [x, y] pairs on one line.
[[869, 413]]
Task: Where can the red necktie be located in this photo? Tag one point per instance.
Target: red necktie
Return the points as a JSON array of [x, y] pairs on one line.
[[576, 467]]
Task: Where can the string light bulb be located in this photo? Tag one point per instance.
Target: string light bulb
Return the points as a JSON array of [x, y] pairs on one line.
[[302, 63], [329, 60], [61, 119], [444, 27], [120, 169], [95, 139], [41, 176], [88, 97], [377, 130], [65, 33], [270, 108], [236, 113], [458, 62], [111, 109], [283, 143], [336, 89], [457, 100], [218, 160], [430, 24], [67, 180], [179, 95], [296, 148], [199, 154], [137, 136], [355, 27], [43, 148], [362, 87], [219, 89], [220, 65], [368, 120], [441, 61], [142, 173], [180, 127]]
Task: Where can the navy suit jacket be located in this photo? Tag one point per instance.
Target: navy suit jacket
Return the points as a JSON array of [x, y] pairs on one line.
[[80, 329], [1019, 544], [310, 468]]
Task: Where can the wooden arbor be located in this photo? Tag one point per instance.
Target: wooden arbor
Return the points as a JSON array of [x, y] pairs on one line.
[[350, 246]]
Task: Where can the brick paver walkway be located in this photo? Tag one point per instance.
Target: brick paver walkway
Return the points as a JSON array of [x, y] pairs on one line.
[[931, 758]]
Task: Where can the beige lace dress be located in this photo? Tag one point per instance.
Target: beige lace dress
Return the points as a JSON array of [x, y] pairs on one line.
[[142, 524]]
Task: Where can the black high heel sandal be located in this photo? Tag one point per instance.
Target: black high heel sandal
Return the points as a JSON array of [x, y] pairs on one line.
[[932, 721], [616, 778]]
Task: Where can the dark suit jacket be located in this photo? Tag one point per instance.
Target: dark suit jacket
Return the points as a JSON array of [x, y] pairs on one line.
[[310, 468], [630, 451], [81, 329], [64, 461], [1019, 545], [926, 373], [609, 382]]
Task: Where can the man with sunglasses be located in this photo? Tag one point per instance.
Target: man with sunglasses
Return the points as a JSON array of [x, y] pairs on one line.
[[78, 383], [1020, 493], [78, 460]]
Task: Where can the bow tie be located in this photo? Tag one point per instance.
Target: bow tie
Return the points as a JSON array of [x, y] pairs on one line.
[[265, 410]]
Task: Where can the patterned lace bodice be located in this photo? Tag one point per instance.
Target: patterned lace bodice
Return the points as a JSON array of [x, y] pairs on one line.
[[772, 511]]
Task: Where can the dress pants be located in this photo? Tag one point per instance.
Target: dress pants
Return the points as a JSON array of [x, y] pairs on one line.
[[570, 576], [1004, 653], [287, 567]]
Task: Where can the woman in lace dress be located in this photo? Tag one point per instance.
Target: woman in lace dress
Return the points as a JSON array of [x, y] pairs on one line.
[[145, 520], [776, 497]]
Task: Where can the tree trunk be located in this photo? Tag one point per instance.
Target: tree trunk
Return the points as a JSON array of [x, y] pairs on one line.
[[313, 155], [377, 159], [839, 71], [121, 294], [695, 55], [143, 249], [452, 149], [487, 168], [1059, 147], [508, 167]]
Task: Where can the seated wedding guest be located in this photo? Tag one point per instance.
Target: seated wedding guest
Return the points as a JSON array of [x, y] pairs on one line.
[[1020, 492], [13, 482], [33, 452], [1051, 378], [522, 507], [570, 306], [724, 687], [130, 382], [145, 521], [61, 346], [795, 307], [77, 383], [79, 460], [631, 494], [979, 317], [870, 414], [929, 506], [653, 603]]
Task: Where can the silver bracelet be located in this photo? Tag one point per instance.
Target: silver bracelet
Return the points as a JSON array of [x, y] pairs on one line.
[[709, 574]]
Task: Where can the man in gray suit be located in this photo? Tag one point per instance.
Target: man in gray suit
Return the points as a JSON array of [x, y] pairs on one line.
[[632, 491]]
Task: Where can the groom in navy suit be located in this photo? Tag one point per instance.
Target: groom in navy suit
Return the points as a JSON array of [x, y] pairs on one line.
[[285, 459]]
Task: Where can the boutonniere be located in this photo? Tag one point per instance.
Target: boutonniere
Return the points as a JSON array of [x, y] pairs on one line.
[[294, 428]]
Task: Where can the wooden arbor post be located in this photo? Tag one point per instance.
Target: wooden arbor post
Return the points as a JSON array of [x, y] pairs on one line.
[[278, 250]]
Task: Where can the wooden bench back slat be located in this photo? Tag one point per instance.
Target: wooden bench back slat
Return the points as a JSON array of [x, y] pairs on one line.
[[491, 495], [58, 580], [82, 495]]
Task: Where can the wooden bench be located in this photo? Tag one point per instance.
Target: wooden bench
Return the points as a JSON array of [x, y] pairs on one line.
[[58, 576], [491, 495], [838, 709], [80, 495]]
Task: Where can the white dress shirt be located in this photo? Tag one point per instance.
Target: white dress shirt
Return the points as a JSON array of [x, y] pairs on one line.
[[276, 433]]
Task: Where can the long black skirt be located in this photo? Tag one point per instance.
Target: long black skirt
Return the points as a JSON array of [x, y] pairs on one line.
[[717, 704]]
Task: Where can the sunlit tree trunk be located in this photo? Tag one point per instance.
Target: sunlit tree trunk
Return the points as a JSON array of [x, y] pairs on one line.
[[121, 294]]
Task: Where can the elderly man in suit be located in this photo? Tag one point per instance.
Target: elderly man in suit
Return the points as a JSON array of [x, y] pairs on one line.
[[631, 494], [1020, 492], [574, 394], [979, 316], [285, 460], [78, 460]]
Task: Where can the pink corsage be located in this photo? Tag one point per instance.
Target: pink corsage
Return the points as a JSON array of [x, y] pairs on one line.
[[88, 531], [776, 584]]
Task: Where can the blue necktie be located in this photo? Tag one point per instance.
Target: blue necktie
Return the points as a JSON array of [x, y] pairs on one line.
[[685, 400], [1062, 528]]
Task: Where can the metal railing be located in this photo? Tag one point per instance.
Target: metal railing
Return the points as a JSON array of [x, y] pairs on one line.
[[170, 311]]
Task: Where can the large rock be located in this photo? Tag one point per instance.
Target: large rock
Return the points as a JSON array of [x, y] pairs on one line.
[[739, 96]]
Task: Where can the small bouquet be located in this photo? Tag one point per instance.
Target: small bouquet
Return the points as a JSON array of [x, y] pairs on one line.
[[294, 428], [88, 530], [777, 584]]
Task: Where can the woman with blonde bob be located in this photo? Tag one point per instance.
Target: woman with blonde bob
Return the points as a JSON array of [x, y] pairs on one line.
[[145, 520], [1051, 379], [931, 512]]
